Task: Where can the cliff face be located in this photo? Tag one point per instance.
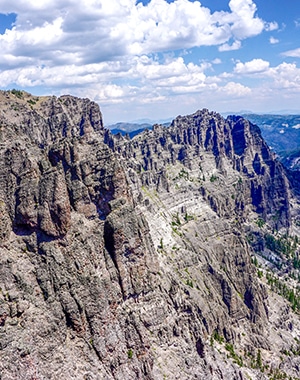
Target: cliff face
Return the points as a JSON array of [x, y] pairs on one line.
[[209, 146], [130, 259]]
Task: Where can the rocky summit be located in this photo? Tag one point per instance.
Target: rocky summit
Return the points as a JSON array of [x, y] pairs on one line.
[[172, 255]]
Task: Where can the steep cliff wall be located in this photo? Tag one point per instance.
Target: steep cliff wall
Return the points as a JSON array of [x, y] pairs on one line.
[[203, 184], [129, 259]]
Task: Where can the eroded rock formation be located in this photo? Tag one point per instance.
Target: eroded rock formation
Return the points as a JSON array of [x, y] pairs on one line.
[[130, 259]]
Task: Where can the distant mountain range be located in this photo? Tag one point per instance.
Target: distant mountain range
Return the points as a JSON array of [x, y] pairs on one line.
[[281, 132], [132, 129]]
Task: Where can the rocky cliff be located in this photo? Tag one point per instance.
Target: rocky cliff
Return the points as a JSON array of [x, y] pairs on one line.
[[147, 258]]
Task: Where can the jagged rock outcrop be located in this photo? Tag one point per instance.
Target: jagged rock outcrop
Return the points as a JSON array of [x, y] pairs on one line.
[[234, 146], [129, 259]]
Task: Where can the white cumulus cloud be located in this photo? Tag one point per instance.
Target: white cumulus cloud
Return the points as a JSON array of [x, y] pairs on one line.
[[245, 22], [234, 46], [235, 89], [252, 67], [89, 31]]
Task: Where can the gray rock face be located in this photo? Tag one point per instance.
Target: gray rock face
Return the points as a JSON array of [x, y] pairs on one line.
[[128, 259], [234, 147]]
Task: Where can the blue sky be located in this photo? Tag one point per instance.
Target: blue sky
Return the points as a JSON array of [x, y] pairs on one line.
[[155, 58]]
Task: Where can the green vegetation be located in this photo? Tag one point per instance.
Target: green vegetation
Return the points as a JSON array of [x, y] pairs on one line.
[[232, 354], [254, 261], [296, 262], [176, 220], [282, 289], [175, 230], [260, 222], [213, 178], [130, 353], [280, 375], [187, 217], [258, 359], [190, 283], [31, 102], [260, 273], [228, 347], [17, 93], [284, 245], [15, 107], [183, 174], [293, 351], [217, 337]]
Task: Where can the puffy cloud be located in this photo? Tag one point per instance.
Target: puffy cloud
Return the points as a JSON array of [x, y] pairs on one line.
[[142, 70], [226, 47], [252, 67], [170, 73], [62, 43], [285, 76], [235, 89], [186, 24], [273, 40], [88, 31], [271, 26], [245, 23], [110, 92], [217, 61]]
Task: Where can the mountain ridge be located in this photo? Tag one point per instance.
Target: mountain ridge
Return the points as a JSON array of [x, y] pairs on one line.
[[280, 132], [135, 259]]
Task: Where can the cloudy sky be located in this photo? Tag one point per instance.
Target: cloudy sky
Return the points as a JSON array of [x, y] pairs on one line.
[[155, 58]]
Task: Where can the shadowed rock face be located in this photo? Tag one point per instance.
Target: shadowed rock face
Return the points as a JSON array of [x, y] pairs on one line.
[[126, 259]]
